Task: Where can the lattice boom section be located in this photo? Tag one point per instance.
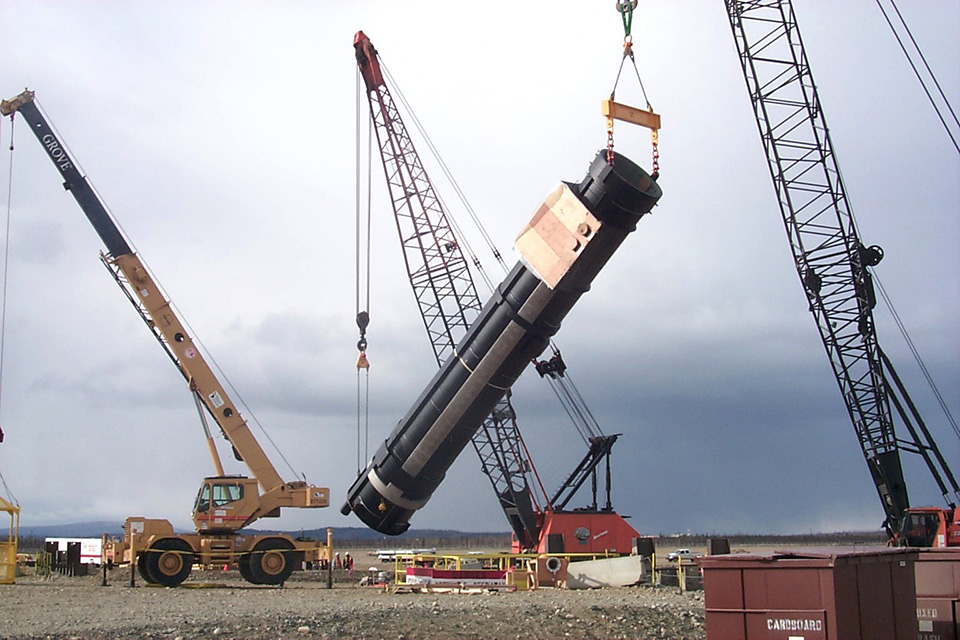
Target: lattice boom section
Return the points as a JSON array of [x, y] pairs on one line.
[[814, 208]]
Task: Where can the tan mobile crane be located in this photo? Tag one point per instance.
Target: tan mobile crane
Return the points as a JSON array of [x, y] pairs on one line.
[[225, 504]]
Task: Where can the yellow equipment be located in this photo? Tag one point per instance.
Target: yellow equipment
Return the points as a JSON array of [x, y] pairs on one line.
[[225, 504], [8, 548]]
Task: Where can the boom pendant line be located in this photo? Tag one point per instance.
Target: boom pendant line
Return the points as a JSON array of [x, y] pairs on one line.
[[570, 238]]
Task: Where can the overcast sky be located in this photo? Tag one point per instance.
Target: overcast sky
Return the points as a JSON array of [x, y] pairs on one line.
[[222, 137]]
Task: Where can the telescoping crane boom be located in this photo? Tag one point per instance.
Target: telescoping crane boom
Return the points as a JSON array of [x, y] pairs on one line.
[[445, 291], [833, 266], [226, 503]]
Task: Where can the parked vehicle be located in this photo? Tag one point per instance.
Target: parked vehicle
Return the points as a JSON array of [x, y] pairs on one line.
[[679, 554]]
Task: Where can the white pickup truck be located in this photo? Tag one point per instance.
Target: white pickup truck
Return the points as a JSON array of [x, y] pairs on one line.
[[679, 554]]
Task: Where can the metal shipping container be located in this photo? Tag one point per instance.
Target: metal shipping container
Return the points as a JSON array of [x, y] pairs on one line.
[[938, 594], [825, 594]]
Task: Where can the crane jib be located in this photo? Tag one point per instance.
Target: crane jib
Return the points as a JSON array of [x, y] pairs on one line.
[[75, 182]]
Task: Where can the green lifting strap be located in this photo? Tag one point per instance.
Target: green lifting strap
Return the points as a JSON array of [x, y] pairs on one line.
[[625, 8]]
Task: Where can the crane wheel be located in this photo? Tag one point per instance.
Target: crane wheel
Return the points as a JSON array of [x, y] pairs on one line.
[[143, 571], [243, 563], [272, 561], [169, 561]]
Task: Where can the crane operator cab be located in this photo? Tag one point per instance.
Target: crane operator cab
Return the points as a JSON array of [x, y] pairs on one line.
[[930, 527], [226, 503]]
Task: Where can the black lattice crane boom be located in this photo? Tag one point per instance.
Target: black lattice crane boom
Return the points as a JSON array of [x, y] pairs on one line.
[[831, 261], [443, 286], [444, 289]]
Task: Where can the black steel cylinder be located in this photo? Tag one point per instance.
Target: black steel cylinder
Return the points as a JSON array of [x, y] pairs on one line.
[[513, 328]]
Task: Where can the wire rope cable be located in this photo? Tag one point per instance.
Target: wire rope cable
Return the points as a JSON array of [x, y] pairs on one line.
[[916, 355], [3, 299], [461, 237], [215, 365], [6, 263], [916, 71], [577, 410], [6, 489], [362, 273]]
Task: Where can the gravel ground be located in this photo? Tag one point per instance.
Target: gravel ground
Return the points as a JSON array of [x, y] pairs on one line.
[[222, 605]]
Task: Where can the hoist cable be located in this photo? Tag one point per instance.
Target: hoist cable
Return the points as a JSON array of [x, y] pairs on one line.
[[461, 237], [357, 187], [362, 257], [214, 365], [363, 417], [583, 411], [491, 245], [366, 402], [564, 402], [357, 250], [916, 354], [6, 262], [577, 404], [916, 72], [566, 390], [925, 64], [362, 275]]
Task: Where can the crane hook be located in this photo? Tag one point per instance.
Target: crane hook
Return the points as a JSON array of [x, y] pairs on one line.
[[363, 320]]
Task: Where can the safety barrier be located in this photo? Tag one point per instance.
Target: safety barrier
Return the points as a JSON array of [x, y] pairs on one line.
[[519, 568], [44, 564]]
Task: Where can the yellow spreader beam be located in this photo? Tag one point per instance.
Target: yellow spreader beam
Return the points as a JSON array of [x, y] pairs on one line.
[[616, 111]]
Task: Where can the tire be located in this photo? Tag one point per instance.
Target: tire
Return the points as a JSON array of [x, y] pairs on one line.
[[272, 561], [143, 571], [169, 562], [243, 564]]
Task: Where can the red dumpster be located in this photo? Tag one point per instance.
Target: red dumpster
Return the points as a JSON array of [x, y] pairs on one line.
[[824, 594], [938, 594]]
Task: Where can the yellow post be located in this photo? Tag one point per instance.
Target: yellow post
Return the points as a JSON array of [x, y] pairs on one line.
[[329, 558], [8, 549]]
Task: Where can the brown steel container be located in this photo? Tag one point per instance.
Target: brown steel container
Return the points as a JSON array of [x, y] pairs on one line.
[[833, 594], [938, 594]]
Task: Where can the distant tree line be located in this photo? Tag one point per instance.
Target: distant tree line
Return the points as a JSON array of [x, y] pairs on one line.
[[487, 541], [810, 538], [500, 541], [26, 544]]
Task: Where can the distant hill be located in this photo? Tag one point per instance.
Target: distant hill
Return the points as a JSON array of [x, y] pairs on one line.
[[361, 535], [74, 530], [354, 537]]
